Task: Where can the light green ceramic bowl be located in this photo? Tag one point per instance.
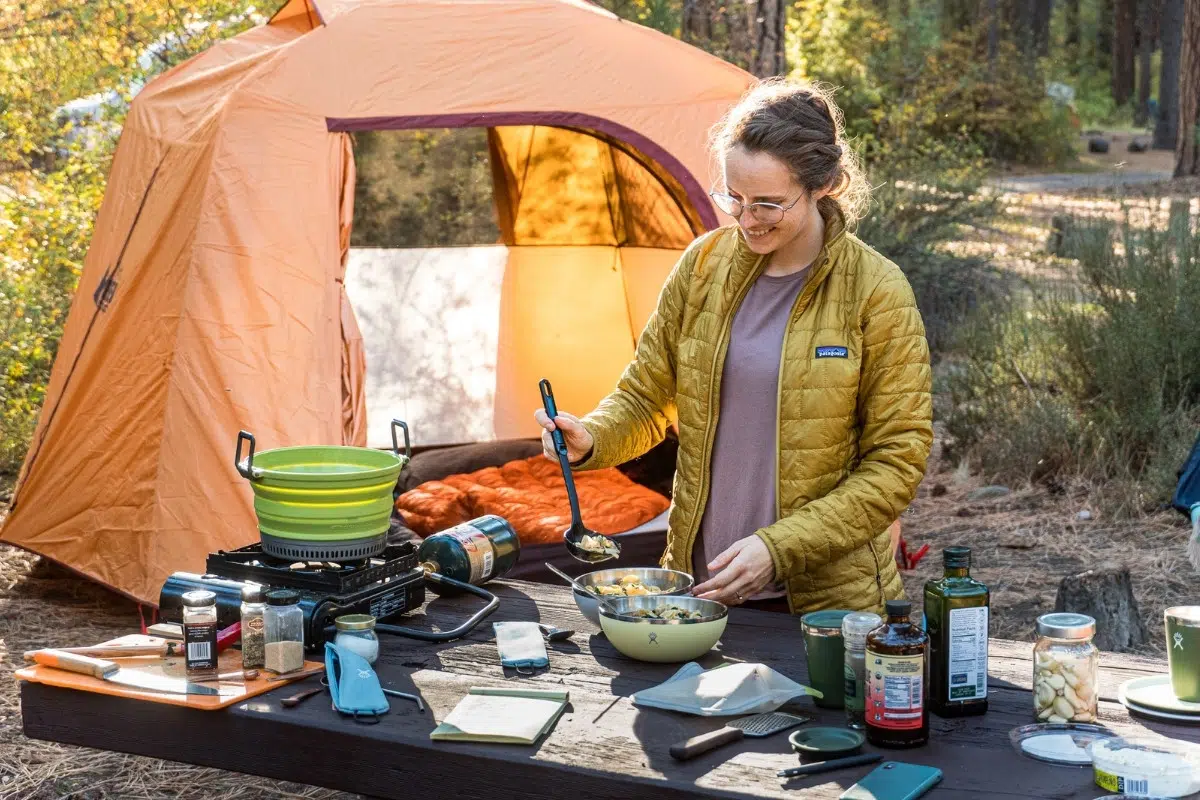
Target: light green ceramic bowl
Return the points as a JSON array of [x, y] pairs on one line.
[[662, 641]]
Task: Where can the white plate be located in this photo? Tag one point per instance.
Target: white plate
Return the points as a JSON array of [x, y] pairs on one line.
[[1154, 691], [1187, 719]]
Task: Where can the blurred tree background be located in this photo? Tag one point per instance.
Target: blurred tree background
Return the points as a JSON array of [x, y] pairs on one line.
[[938, 95]]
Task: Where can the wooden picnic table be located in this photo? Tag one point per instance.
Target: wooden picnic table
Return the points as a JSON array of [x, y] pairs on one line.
[[602, 748]]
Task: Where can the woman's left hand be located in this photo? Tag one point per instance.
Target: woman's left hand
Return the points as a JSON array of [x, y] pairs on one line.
[[739, 573]]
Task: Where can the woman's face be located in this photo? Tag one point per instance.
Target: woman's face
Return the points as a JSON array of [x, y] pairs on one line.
[[762, 178]]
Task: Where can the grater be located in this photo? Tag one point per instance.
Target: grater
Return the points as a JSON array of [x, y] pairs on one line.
[[765, 724], [755, 726]]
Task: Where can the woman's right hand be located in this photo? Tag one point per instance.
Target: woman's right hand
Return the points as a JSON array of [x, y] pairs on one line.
[[579, 441]]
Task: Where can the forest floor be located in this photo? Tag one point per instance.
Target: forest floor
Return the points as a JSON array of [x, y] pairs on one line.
[[1023, 543], [1094, 171]]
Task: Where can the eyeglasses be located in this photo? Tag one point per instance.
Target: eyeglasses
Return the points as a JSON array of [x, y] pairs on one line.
[[766, 213]]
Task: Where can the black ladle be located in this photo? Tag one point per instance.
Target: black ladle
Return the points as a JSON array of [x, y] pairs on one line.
[[573, 536]]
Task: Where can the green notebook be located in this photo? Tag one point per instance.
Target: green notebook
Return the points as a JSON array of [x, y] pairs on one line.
[[512, 716]]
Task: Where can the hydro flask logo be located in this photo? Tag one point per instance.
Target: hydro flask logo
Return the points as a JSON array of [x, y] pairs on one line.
[[1178, 641]]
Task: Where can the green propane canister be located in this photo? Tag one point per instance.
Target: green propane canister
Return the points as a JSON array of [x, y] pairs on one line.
[[473, 552]]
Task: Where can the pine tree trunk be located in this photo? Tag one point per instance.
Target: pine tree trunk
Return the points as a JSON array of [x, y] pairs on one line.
[[1146, 39], [738, 16], [1124, 55], [993, 36], [1018, 18], [696, 23], [1043, 10], [1186, 162], [767, 31], [1071, 22], [1166, 130], [1104, 34]]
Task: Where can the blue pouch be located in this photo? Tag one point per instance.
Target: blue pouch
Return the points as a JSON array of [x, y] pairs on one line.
[[353, 685], [521, 646]]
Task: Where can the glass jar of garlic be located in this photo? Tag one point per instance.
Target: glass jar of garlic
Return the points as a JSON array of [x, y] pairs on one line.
[[1065, 668]]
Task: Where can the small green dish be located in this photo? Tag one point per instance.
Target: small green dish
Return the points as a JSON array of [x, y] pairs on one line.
[[828, 742]]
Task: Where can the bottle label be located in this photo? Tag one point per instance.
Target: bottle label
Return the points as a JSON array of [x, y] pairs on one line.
[[852, 691], [201, 642], [895, 696], [967, 651], [479, 550], [256, 625]]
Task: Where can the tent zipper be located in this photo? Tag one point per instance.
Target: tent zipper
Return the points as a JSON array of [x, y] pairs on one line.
[[101, 297]]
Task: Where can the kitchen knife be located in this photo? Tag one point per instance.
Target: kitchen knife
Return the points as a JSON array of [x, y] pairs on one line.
[[112, 672], [119, 650]]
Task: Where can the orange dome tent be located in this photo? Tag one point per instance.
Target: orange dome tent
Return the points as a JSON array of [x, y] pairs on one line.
[[213, 296]]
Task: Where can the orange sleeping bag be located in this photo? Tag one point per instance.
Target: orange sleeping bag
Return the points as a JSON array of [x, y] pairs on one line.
[[531, 495]]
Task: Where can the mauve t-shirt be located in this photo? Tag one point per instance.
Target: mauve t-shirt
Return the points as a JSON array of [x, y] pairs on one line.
[[742, 480]]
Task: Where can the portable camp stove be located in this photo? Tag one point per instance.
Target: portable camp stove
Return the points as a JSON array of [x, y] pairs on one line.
[[385, 586]]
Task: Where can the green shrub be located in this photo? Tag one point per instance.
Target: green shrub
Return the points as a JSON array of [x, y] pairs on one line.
[[911, 219], [44, 234], [907, 86], [1100, 380]]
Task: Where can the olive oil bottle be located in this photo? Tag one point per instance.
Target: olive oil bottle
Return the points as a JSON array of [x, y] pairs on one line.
[[897, 679], [956, 618]]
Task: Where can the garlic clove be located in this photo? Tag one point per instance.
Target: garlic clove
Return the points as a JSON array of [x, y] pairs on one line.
[[1046, 712], [1062, 708], [1057, 681], [1056, 718]]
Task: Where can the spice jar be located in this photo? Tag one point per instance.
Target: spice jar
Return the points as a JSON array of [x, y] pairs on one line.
[[254, 637], [1065, 668], [284, 625], [356, 633], [200, 634], [855, 628]]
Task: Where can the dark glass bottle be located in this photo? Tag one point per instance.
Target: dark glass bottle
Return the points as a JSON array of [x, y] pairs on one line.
[[956, 618], [474, 552], [897, 680]]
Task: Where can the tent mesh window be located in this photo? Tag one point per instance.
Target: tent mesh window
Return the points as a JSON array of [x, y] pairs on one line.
[[423, 188]]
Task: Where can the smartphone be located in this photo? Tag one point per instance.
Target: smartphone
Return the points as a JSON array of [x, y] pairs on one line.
[[894, 780]]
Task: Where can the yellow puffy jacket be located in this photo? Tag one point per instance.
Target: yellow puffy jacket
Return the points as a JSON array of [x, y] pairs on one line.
[[854, 433]]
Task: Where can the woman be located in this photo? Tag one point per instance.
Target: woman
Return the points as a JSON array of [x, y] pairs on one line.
[[797, 361]]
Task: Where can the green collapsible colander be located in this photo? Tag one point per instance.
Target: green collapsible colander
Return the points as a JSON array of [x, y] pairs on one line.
[[323, 503]]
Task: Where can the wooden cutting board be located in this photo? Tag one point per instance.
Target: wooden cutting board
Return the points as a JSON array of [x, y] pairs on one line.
[[229, 661]]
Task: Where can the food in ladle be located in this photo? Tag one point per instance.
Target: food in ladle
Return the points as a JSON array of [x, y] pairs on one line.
[[666, 612], [629, 586], [594, 544]]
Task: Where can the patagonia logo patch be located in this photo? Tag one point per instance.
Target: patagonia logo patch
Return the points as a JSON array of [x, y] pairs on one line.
[[832, 352]]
